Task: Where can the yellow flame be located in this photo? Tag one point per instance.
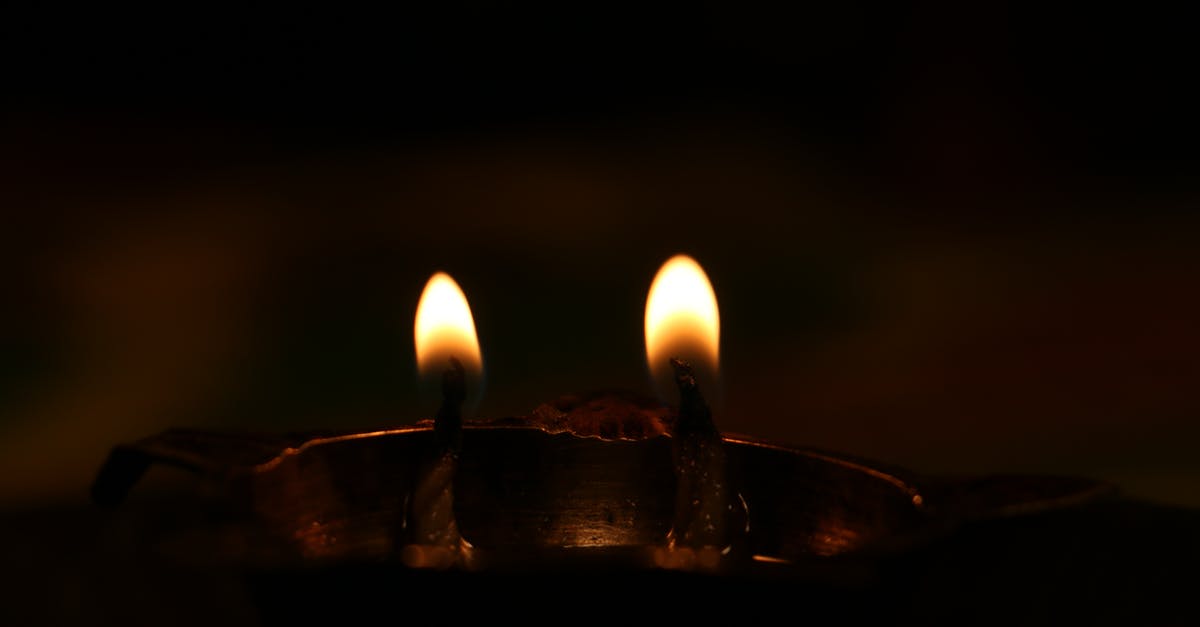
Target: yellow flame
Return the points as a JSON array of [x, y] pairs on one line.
[[681, 316], [444, 328]]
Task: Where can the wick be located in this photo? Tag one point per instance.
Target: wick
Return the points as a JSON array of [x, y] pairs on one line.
[[694, 415], [701, 529], [430, 524], [447, 423]]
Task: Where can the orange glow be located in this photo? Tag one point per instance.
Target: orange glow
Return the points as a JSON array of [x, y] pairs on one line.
[[444, 328], [681, 317]]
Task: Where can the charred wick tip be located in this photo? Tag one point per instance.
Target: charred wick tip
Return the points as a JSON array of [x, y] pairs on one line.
[[454, 383], [694, 415], [447, 424], [684, 377]]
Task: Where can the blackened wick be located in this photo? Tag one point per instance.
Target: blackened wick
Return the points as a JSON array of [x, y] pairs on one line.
[[695, 418], [447, 423], [703, 501]]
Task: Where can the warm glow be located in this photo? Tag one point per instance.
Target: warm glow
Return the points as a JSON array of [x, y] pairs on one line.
[[445, 328], [681, 316]]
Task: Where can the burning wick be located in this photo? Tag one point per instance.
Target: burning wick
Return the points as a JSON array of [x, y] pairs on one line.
[[700, 532], [694, 415], [443, 328], [436, 541], [447, 423], [682, 318]]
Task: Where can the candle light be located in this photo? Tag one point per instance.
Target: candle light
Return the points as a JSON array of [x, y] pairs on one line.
[[444, 331], [682, 319], [444, 334]]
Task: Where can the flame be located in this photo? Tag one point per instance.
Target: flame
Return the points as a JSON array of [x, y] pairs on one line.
[[444, 328], [681, 316]]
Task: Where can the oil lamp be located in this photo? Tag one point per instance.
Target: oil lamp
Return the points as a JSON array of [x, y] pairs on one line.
[[586, 483]]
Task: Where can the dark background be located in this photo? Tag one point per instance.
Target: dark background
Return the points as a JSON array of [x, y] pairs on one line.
[[957, 239]]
